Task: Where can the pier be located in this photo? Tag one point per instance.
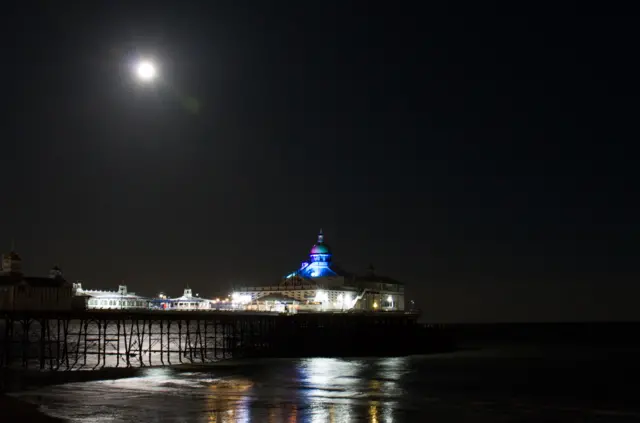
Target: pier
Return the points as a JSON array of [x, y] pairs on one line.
[[90, 340]]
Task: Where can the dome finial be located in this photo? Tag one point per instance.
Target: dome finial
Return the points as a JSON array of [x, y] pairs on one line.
[[320, 237]]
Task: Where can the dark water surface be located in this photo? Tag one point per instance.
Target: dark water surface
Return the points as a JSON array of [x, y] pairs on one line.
[[500, 384]]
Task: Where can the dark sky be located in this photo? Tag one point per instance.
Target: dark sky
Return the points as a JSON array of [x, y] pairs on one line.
[[484, 157]]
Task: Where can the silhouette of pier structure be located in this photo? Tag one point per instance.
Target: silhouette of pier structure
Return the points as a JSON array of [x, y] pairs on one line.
[[85, 340]]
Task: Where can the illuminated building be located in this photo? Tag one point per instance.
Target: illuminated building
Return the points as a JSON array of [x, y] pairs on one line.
[[320, 285], [111, 300], [272, 303], [187, 302]]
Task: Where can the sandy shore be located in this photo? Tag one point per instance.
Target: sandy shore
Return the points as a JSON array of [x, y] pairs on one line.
[[13, 410], [16, 411], [16, 380]]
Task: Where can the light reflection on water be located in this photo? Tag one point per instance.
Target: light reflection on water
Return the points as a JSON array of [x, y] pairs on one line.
[[461, 387], [314, 390], [228, 401]]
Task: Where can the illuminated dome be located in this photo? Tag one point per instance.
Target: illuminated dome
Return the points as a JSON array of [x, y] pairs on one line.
[[320, 249], [320, 253], [319, 264]]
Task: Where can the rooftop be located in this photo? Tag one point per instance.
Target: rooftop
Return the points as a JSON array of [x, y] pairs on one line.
[[13, 279]]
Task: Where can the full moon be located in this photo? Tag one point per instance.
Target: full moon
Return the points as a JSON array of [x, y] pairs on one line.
[[146, 71]]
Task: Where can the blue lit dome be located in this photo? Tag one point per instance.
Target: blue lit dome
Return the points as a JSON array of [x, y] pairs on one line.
[[320, 249], [319, 264], [320, 253]]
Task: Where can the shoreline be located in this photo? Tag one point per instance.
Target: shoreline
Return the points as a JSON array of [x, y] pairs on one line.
[[475, 357], [18, 380], [15, 410], [14, 381]]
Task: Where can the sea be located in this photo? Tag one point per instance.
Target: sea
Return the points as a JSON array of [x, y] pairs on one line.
[[557, 383]]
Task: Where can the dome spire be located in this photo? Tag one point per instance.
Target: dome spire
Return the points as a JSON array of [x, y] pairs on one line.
[[320, 252]]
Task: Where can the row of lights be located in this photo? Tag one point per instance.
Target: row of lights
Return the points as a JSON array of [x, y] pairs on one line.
[[163, 296], [321, 297], [240, 298]]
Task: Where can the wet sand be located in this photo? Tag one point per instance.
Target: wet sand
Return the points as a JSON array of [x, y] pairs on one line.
[[15, 410], [524, 385], [17, 380]]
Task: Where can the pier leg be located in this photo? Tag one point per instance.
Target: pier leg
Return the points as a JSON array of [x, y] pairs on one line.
[[150, 336], [42, 341], [199, 339], [205, 339], [215, 339], [118, 343], [99, 326], [85, 323], [161, 342], [139, 342], [169, 342], [76, 351], [180, 340], [65, 349], [58, 345], [25, 342], [50, 345], [104, 344], [187, 342]]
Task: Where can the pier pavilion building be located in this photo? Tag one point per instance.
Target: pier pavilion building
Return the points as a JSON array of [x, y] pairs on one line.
[[186, 302], [121, 299], [26, 293], [320, 285]]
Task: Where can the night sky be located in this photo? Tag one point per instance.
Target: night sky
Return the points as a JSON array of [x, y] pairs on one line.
[[484, 157]]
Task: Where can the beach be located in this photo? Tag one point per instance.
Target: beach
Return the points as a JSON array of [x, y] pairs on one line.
[[15, 410], [524, 384]]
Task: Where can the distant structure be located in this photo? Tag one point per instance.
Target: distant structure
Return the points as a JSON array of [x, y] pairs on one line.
[[187, 302], [319, 285], [111, 300], [28, 293]]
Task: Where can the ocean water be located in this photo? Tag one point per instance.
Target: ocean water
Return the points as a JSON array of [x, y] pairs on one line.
[[500, 384]]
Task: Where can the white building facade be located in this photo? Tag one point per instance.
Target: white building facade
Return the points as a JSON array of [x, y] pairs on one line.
[[111, 300], [187, 302]]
